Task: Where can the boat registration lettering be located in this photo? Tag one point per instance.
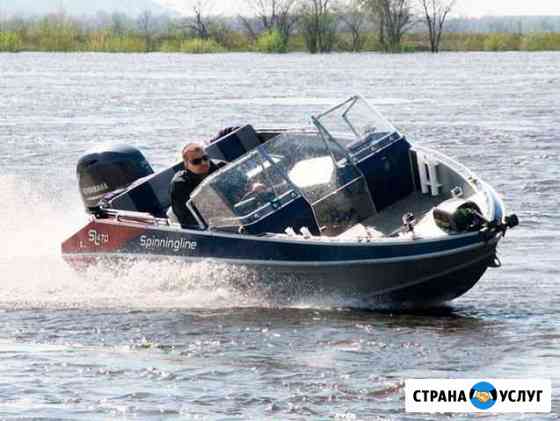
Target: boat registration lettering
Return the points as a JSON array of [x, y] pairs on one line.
[[151, 243], [98, 238]]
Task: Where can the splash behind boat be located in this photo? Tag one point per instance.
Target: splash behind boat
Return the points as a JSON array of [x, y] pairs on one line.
[[350, 207]]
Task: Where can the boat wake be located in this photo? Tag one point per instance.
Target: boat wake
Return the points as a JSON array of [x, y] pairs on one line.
[[36, 219]]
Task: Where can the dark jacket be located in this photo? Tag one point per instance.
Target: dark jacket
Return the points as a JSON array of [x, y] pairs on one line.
[[182, 185]]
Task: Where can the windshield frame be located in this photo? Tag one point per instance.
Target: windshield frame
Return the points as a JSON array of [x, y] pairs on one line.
[[270, 173], [351, 146]]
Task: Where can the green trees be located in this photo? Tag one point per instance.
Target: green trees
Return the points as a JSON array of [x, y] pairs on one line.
[[549, 41], [393, 19], [200, 46], [271, 42], [273, 24], [502, 42], [57, 33], [318, 25], [108, 42], [315, 26], [10, 42]]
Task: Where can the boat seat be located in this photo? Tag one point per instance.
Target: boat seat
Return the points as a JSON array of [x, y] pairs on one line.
[[149, 194], [234, 144]]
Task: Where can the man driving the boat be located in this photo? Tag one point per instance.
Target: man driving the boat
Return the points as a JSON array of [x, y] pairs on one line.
[[197, 167]]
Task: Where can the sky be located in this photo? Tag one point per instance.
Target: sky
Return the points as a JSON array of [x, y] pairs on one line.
[[508, 7], [466, 8]]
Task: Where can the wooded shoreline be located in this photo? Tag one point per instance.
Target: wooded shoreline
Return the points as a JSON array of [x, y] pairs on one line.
[[61, 39]]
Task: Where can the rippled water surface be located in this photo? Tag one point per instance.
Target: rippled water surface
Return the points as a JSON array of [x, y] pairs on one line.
[[180, 342]]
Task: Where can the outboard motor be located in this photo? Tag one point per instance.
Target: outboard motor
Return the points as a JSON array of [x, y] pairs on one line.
[[107, 168]]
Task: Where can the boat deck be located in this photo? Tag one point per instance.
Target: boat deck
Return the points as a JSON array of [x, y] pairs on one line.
[[389, 221]]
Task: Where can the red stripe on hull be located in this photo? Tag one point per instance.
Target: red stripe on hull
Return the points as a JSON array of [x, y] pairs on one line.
[[101, 236]]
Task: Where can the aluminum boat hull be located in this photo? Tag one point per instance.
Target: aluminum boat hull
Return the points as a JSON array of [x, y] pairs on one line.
[[407, 273]]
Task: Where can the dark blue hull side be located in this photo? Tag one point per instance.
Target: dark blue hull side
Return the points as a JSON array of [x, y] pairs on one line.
[[393, 272]]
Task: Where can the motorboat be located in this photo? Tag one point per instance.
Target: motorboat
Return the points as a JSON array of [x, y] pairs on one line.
[[347, 206]]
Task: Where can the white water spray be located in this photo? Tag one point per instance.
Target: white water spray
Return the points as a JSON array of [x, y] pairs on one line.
[[35, 219]]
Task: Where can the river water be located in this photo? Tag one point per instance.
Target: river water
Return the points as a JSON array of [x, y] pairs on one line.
[[180, 343]]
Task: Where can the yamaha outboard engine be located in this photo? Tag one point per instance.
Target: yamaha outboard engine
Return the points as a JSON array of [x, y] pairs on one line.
[[107, 168]]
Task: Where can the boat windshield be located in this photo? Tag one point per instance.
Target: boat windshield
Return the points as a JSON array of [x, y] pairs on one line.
[[322, 172], [284, 168], [353, 123], [251, 188]]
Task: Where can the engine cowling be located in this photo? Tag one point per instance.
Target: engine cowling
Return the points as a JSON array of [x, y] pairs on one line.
[[107, 168]]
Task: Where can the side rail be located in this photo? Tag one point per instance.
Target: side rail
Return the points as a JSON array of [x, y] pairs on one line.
[[132, 216]]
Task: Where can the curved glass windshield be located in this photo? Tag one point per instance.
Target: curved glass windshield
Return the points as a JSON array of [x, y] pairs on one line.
[[317, 165], [306, 161], [353, 122], [321, 170], [286, 167], [247, 190]]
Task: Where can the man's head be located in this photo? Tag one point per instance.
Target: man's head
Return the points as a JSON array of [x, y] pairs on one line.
[[195, 159]]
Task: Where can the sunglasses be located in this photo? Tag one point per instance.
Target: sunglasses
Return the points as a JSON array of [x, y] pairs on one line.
[[198, 161]]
